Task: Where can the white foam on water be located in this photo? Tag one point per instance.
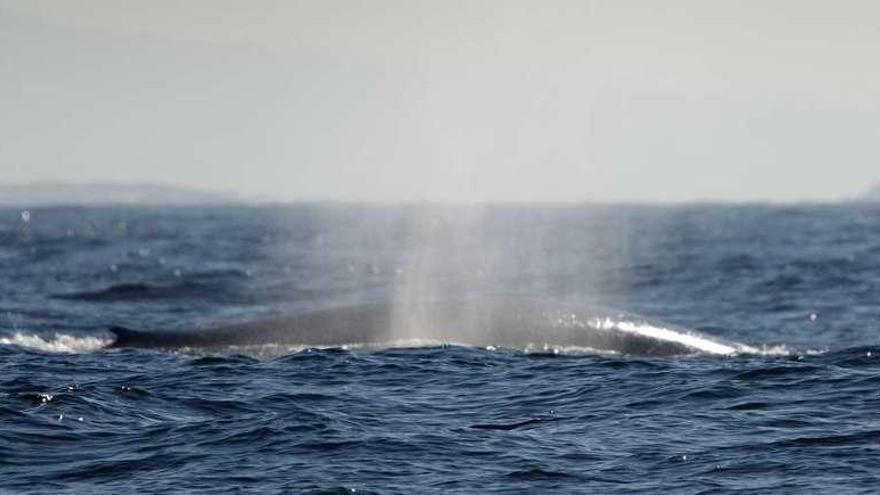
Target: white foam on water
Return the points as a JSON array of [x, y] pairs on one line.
[[568, 350], [776, 350], [60, 342]]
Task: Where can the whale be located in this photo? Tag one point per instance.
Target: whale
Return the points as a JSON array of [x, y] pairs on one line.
[[513, 324]]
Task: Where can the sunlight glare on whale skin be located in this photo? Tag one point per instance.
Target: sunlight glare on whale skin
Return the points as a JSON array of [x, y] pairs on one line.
[[688, 339]]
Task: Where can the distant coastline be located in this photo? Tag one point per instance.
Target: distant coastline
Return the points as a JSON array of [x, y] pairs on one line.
[[106, 193]]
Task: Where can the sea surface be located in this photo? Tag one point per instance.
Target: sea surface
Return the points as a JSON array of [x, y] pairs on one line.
[[799, 285]]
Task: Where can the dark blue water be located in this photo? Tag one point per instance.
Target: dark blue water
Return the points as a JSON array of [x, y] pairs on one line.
[[799, 283]]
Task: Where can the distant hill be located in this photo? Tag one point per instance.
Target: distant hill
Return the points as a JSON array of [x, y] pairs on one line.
[[98, 193]]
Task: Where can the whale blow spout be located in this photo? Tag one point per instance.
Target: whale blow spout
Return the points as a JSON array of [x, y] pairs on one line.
[[512, 324]]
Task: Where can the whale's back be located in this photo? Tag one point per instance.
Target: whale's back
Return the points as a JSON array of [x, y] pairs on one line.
[[507, 324]]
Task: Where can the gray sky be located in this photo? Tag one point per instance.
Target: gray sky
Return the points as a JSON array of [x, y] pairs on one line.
[[446, 100]]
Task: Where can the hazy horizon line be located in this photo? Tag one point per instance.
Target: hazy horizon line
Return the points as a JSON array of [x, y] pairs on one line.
[[225, 197]]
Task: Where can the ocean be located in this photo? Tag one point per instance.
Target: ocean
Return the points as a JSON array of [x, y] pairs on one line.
[[793, 410]]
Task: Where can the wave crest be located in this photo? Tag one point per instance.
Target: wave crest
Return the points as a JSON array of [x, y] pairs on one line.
[[59, 342]]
